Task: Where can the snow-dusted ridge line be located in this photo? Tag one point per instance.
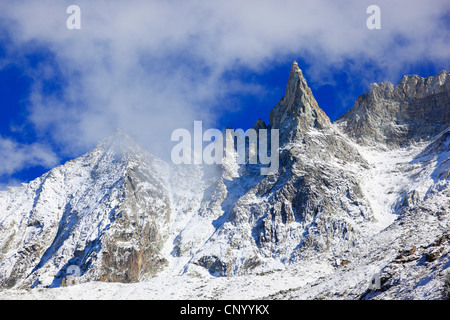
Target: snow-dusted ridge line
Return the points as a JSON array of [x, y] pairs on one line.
[[337, 212]]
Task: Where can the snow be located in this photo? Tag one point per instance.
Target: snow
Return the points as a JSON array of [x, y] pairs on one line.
[[202, 286], [312, 278], [93, 186]]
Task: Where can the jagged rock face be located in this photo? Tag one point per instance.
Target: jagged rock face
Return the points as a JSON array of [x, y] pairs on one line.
[[104, 213], [283, 217], [298, 109], [131, 248], [313, 203], [413, 110], [120, 214]]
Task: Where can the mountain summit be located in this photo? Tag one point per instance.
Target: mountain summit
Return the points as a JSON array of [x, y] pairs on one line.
[[365, 195], [298, 109], [413, 110]]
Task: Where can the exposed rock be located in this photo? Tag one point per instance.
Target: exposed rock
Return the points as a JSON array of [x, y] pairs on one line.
[[260, 124], [120, 214], [415, 109], [298, 110], [105, 212], [311, 203]]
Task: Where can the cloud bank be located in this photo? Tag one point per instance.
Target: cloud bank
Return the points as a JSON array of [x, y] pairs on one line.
[[15, 156], [149, 67]]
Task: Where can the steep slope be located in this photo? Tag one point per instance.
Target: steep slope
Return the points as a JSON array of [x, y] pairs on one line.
[[104, 213], [410, 259], [350, 199], [415, 109], [404, 134], [298, 110], [313, 205]]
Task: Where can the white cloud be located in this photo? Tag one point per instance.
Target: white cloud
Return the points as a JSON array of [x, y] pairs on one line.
[[15, 156], [151, 66]]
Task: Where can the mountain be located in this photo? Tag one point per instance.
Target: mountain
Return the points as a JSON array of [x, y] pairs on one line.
[[367, 194], [414, 110], [313, 203], [105, 212]]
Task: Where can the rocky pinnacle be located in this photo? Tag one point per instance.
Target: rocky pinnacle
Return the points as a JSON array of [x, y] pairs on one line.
[[298, 109]]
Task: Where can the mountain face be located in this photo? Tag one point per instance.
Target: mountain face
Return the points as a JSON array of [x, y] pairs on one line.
[[105, 213], [298, 109], [415, 109], [344, 194]]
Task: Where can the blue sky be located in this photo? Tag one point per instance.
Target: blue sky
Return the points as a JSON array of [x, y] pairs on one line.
[[149, 67]]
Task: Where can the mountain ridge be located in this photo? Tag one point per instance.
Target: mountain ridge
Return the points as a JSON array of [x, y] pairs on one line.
[[120, 214], [413, 110]]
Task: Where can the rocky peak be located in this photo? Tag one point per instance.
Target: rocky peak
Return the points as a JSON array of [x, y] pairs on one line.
[[415, 109], [298, 109], [416, 87], [260, 124], [411, 87]]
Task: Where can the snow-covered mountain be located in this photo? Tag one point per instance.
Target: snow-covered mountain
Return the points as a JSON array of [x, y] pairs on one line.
[[365, 196]]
